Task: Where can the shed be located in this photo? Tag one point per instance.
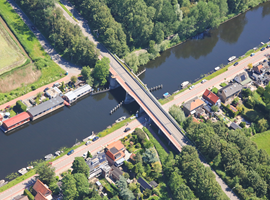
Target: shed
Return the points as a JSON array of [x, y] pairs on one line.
[[235, 126], [16, 121], [82, 90], [116, 173], [153, 184], [70, 97], [144, 184]]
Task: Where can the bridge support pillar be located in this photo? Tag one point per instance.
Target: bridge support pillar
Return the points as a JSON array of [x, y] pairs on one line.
[[159, 131], [113, 82], [169, 142], [128, 99]]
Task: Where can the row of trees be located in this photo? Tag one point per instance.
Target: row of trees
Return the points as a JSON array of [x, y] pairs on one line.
[[66, 37], [235, 157]]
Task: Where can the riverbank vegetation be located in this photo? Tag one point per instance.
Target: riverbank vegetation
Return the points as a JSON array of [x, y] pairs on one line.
[[124, 26]]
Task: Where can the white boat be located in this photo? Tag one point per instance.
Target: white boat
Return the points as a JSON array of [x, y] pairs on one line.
[[22, 171], [231, 58], [120, 119], [217, 68], [29, 167], [184, 84], [49, 156]]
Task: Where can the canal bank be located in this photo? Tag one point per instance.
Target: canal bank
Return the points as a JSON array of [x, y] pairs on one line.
[[184, 62]]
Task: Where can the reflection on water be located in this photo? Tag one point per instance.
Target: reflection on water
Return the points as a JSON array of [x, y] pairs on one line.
[[266, 10]]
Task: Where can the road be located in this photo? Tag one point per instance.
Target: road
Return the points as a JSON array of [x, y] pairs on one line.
[[65, 162]]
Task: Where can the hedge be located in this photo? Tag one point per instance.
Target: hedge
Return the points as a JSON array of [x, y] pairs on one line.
[[27, 193], [20, 106]]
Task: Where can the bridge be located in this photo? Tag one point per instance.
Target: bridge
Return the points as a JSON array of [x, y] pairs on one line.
[[137, 91]]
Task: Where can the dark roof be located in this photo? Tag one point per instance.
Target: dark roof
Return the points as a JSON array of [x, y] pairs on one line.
[[45, 106], [116, 172], [231, 89], [118, 155], [207, 108], [235, 126], [97, 161], [144, 184], [113, 150], [20, 197], [242, 78], [153, 183]]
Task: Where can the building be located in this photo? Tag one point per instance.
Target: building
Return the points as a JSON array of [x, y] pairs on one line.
[[53, 92], [211, 98], [258, 69], [96, 164], [115, 173], [235, 126], [21, 197], [72, 96], [242, 79], [115, 153], [153, 184], [41, 191], [45, 108], [143, 184], [229, 92], [15, 121], [191, 106]]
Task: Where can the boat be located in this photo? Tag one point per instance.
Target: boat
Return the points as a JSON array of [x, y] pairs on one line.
[[66, 103], [48, 157], [165, 95], [29, 167], [231, 58], [22, 171], [184, 84], [120, 119], [217, 68]]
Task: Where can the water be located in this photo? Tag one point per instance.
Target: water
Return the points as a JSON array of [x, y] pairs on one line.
[[193, 58], [184, 62]]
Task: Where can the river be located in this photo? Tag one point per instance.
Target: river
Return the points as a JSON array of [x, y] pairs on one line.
[[184, 62]]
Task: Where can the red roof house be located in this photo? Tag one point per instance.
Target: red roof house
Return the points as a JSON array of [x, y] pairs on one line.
[[115, 152], [42, 191], [16, 121], [211, 97]]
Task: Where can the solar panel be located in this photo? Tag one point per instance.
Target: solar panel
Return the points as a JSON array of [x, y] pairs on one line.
[[243, 78]]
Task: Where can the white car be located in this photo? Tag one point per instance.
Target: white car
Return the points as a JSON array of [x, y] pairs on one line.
[[191, 87], [203, 81], [85, 154], [88, 142]]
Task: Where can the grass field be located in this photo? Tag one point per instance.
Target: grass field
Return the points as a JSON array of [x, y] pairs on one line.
[[35, 51], [10, 54], [263, 141]]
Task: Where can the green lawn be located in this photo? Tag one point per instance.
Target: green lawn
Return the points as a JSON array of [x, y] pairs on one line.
[[32, 46], [263, 141], [10, 54]]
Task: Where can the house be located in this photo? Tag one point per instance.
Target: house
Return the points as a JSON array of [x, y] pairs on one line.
[[229, 92], [115, 153], [153, 184], [211, 98], [45, 108], [53, 92], [21, 197], [199, 112], [235, 126], [41, 191], [116, 173], [75, 94], [15, 121], [258, 69], [96, 164], [143, 184], [242, 79], [191, 106]]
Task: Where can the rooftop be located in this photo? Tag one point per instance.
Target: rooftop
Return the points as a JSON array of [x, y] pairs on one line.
[[231, 89], [82, 89], [117, 145], [144, 184], [16, 119], [210, 97], [96, 162], [46, 105], [70, 95], [41, 188], [116, 172], [235, 126], [193, 104], [242, 78]]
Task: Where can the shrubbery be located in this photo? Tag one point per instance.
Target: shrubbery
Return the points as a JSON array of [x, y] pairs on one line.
[[20, 106]]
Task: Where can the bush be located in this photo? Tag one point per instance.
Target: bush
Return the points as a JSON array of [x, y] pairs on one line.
[[140, 134], [147, 144], [20, 106], [223, 84], [138, 145], [215, 90], [33, 87], [27, 193], [242, 124]]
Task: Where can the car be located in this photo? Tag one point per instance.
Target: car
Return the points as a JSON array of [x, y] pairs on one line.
[[46, 89], [56, 84], [203, 81], [88, 142], [85, 154], [264, 60], [33, 28], [252, 54], [235, 64], [127, 129], [70, 152], [95, 138], [191, 87], [262, 49]]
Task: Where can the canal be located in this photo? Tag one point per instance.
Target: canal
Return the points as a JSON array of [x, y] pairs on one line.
[[185, 62]]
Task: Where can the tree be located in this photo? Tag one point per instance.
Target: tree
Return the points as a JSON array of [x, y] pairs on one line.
[[73, 79], [126, 175], [69, 188], [89, 155], [149, 156], [20, 106], [148, 169], [86, 72], [140, 134], [177, 113], [250, 66], [101, 70], [147, 193], [246, 92], [138, 169], [157, 169], [132, 61], [242, 124], [124, 192], [46, 173], [214, 108], [262, 125], [137, 158], [82, 185], [80, 166]]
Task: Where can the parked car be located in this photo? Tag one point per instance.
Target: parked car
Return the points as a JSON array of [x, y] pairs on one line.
[[262, 49], [264, 60], [85, 154], [203, 81], [46, 89], [88, 142], [235, 64], [191, 87], [70, 152], [252, 54], [127, 129], [95, 138]]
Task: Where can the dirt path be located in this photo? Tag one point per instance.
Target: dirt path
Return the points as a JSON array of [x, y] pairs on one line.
[[13, 36]]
